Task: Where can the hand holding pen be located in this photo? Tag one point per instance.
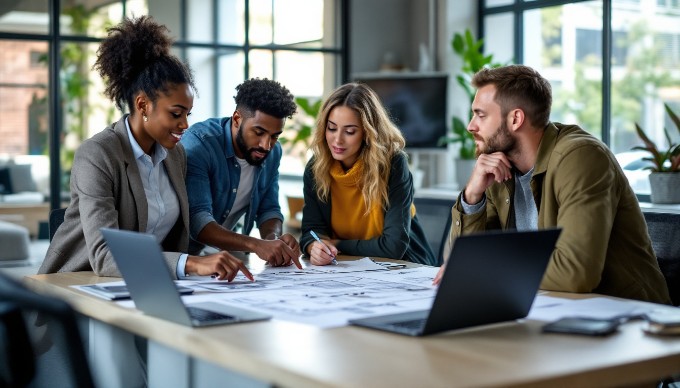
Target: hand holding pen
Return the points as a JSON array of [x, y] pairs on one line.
[[317, 257]]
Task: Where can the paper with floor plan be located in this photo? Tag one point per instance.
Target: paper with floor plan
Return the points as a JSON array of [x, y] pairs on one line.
[[321, 299], [325, 297], [344, 266], [330, 300]]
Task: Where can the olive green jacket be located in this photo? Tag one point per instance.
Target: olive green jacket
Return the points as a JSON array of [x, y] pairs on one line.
[[578, 185]]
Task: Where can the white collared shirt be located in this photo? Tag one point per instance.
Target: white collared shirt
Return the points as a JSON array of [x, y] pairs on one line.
[[161, 198]]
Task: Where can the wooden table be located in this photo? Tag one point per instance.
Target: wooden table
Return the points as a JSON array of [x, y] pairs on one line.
[[26, 215], [295, 355]]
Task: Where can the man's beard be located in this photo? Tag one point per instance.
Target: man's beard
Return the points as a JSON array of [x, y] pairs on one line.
[[248, 153], [501, 141]]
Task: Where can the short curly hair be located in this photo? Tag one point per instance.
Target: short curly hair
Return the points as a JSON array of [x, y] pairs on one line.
[[266, 96]]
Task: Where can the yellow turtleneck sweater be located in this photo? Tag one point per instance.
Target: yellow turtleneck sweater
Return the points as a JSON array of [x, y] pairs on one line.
[[349, 220]]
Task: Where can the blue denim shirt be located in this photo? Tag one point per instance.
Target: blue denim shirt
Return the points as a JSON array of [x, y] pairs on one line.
[[213, 176]]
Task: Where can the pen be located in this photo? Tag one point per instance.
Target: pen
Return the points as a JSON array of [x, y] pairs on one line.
[[335, 262]]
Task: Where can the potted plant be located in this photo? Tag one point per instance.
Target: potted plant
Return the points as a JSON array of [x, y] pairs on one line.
[[297, 140], [469, 50], [665, 176], [302, 127]]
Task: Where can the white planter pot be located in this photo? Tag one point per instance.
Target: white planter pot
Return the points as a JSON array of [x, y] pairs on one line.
[[463, 171], [665, 187]]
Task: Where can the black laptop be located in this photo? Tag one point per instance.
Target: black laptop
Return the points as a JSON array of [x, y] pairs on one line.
[[490, 277], [150, 283]]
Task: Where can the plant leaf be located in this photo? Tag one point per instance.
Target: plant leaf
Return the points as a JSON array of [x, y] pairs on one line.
[[650, 144], [675, 158], [458, 44], [673, 116], [310, 109]]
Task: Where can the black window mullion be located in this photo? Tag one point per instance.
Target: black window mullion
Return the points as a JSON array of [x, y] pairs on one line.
[[606, 70], [246, 44], [55, 101], [481, 9], [344, 7]]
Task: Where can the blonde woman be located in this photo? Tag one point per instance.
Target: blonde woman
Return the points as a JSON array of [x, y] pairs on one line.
[[358, 189]]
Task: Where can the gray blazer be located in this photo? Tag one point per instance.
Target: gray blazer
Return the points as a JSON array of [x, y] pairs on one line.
[[107, 191]]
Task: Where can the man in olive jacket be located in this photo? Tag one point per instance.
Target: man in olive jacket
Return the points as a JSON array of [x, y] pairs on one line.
[[533, 174]]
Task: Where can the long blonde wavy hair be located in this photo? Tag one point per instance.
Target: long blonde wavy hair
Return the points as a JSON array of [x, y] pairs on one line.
[[382, 141]]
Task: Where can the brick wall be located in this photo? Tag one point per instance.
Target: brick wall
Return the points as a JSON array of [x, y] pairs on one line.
[[23, 81]]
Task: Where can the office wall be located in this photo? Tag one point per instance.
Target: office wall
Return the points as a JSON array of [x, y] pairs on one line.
[[378, 27], [391, 32], [460, 15]]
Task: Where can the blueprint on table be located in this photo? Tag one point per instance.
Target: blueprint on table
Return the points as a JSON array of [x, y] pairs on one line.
[[321, 299]]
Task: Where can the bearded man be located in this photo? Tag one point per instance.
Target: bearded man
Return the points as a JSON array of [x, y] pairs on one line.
[[233, 172], [532, 174]]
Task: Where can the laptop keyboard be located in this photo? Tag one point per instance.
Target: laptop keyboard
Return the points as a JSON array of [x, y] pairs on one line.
[[412, 324], [202, 315]]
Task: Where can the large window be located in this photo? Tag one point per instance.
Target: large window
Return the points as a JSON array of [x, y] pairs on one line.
[[52, 99], [611, 64]]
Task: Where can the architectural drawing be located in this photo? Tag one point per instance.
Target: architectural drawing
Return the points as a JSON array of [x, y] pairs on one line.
[[326, 299]]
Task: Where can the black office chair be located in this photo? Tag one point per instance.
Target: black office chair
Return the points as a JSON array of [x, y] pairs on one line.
[[25, 314], [56, 219], [17, 360], [664, 230], [434, 215]]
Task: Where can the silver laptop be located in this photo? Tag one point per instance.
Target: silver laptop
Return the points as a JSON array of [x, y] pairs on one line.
[[151, 286], [490, 277]]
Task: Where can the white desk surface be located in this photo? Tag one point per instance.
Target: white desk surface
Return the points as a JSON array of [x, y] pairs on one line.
[[296, 355], [452, 191], [660, 208], [440, 192]]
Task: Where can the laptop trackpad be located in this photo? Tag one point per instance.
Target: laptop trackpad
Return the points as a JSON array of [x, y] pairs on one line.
[[238, 314], [410, 323]]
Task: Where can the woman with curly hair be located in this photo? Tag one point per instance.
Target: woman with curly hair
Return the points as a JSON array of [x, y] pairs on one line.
[[358, 189], [131, 175]]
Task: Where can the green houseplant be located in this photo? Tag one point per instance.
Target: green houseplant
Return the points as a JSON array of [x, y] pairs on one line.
[[297, 140], [665, 176], [302, 127], [470, 51]]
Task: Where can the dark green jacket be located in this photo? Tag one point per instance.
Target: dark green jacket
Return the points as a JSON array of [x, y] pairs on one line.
[[578, 185], [402, 236]]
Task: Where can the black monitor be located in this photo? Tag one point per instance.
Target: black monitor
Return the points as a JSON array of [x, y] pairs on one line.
[[416, 103]]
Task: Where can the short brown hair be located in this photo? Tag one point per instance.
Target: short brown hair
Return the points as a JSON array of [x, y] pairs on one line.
[[519, 86]]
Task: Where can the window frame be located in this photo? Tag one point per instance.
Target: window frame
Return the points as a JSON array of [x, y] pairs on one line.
[[55, 39]]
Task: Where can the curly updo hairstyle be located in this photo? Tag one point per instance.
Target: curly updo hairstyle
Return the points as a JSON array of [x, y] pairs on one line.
[[136, 57], [265, 95]]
